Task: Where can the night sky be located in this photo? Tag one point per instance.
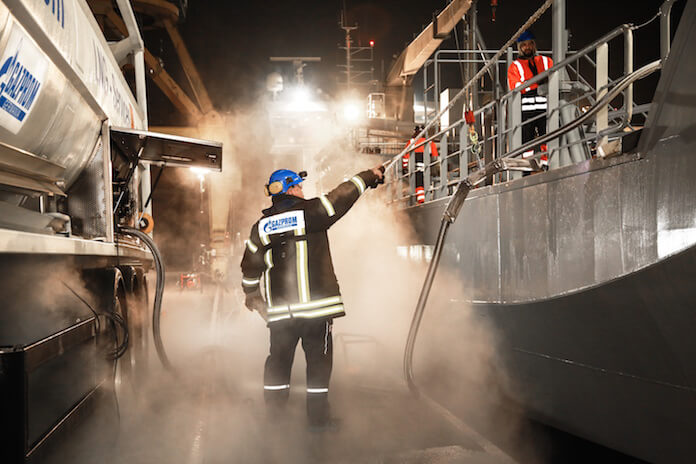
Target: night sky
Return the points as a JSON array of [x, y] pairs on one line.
[[232, 41]]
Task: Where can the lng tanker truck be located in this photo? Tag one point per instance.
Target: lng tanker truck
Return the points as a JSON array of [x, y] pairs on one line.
[[75, 206]]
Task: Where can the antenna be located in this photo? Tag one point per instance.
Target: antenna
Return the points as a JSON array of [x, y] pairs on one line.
[[355, 74]]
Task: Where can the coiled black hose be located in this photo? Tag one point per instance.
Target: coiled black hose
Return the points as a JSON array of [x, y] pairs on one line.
[[119, 348], [159, 291]]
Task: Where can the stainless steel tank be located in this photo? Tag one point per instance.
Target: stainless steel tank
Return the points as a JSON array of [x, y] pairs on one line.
[[58, 82]]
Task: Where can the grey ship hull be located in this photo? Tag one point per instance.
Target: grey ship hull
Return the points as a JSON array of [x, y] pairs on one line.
[[588, 274]]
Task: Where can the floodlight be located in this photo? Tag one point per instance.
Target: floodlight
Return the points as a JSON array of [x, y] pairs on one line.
[[351, 111]]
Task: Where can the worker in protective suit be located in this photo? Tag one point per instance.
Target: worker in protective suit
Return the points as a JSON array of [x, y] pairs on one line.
[[289, 249], [526, 66], [419, 154]]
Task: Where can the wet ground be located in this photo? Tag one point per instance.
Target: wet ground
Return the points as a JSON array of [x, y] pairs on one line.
[[211, 409]]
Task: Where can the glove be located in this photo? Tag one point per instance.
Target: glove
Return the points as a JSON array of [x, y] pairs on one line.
[[254, 302], [380, 177]]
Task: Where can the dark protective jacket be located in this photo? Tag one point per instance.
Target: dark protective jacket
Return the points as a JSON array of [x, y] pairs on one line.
[[289, 248]]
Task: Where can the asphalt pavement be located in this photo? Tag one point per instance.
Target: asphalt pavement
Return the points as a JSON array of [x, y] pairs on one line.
[[212, 411]]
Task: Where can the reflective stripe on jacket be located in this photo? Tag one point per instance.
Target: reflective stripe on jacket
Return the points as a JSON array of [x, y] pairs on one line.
[[521, 70], [533, 102], [421, 149], [288, 248]]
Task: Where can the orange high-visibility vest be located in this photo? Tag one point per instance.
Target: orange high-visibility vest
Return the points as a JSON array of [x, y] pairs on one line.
[[521, 71], [421, 149]]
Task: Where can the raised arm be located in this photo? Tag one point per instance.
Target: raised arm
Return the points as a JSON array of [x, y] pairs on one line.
[[334, 205]]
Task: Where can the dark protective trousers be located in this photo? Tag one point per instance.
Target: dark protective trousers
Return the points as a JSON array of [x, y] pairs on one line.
[[534, 129], [419, 177], [420, 181], [317, 344]]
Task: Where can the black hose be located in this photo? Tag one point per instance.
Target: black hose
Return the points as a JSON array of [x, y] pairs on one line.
[[118, 351], [159, 291], [121, 348], [115, 318]]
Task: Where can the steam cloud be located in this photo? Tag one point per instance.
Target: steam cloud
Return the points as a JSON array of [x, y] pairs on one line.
[[214, 411]]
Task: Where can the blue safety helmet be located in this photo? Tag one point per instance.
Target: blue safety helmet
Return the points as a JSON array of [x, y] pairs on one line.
[[526, 35], [282, 179]]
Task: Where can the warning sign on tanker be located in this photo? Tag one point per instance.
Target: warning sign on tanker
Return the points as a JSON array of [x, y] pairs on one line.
[[22, 71]]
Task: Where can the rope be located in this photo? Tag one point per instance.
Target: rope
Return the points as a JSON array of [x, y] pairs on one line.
[[459, 55], [532, 19], [657, 15]]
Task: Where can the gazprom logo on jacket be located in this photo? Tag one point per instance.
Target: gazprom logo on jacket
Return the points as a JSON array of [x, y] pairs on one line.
[[22, 71], [280, 223]]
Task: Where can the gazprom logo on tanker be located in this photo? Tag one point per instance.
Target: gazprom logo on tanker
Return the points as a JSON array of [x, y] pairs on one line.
[[285, 223], [18, 87]]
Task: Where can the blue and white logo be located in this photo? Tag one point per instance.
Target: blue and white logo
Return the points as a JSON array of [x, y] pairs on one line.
[[281, 223], [19, 90], [57, 10], [22, 71]]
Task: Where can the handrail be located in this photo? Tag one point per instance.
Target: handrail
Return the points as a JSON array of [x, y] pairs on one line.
[[665, 27], [628, 80], [598, 106], [532, 19], [584, 51], [459, 154], [536, 79]]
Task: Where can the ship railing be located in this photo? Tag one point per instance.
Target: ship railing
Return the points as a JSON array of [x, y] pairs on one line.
[[570, 90], [433, 74], [377, 142], [380, 147]]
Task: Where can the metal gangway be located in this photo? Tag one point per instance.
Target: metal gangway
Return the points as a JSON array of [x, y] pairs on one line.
[[579, 82]]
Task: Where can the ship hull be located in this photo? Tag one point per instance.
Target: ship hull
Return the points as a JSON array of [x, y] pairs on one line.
[[610, 364], [586, 276]]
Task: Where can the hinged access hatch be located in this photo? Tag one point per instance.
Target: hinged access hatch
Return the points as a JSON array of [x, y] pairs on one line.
[[168, 150]]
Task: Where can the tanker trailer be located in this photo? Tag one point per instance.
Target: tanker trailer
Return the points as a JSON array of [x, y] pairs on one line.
[[74, 173]]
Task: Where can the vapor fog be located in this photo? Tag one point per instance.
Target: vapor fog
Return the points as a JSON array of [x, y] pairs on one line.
[[43, 288], [212, 409]]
